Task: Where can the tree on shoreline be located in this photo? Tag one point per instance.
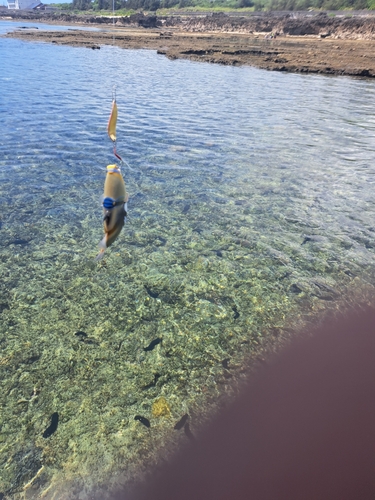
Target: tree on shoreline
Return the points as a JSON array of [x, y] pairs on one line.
[[81, 4], [215, 5]]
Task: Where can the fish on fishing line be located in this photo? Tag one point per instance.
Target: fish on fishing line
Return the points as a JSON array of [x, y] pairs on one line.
[[115, 197]]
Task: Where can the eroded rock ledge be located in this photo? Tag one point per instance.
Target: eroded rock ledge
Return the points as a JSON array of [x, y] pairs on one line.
[[307, 43]]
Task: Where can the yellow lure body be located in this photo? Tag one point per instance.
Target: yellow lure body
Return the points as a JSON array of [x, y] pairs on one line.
[[112, 122]]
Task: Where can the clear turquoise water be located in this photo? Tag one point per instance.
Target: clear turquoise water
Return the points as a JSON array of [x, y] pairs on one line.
[[251, 211]]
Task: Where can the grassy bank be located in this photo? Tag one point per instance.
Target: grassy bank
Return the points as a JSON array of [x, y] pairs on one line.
[[168, 7]]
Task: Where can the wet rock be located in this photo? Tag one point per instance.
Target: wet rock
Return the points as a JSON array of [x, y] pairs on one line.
[[245, 243], [323, 290], [295, 288]]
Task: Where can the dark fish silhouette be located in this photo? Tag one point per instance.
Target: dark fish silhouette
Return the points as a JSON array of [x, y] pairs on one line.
[[52, 428], [143, 420], [179, 425], [152, 344]]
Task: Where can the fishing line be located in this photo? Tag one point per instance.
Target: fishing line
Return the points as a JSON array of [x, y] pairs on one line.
[[113, 117], [113, 21], [114, 138], [113, 88]]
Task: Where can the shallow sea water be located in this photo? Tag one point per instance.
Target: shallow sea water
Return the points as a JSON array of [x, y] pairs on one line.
[[251, 213]]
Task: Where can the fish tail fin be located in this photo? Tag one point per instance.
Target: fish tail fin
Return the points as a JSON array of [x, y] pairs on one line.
[[102, 249], [100, 255]]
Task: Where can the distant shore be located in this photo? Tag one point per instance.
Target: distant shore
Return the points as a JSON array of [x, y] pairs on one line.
[[294, 42]]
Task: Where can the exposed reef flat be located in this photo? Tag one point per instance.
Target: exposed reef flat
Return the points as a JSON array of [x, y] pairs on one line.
[[318, 44]]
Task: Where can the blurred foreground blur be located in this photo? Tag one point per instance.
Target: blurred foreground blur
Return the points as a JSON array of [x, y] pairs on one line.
[[304, 429]]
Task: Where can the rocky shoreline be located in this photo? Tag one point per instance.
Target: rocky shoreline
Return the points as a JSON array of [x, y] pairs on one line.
[[294, 42]]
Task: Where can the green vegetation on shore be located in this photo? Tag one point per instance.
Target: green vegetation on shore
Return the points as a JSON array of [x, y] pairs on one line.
[[125, 7]]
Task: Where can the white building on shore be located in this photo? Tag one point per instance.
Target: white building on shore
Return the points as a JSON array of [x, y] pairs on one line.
[[23, 4]]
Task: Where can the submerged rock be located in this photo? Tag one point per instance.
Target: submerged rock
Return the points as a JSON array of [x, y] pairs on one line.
[[160, 408]]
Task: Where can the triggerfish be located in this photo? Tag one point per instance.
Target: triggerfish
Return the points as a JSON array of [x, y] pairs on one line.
[[115, 200]]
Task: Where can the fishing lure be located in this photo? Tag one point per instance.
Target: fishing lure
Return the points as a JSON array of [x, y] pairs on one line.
[[112, 122], [111, 127]]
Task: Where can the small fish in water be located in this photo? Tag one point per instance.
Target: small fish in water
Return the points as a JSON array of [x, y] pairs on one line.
[[81, 335], [52, 428], [225, 363], [179, 425], [115, 207], [153, 344], [143, 420]]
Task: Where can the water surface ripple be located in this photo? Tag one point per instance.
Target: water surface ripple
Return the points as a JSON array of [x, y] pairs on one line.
[[251, 210]]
